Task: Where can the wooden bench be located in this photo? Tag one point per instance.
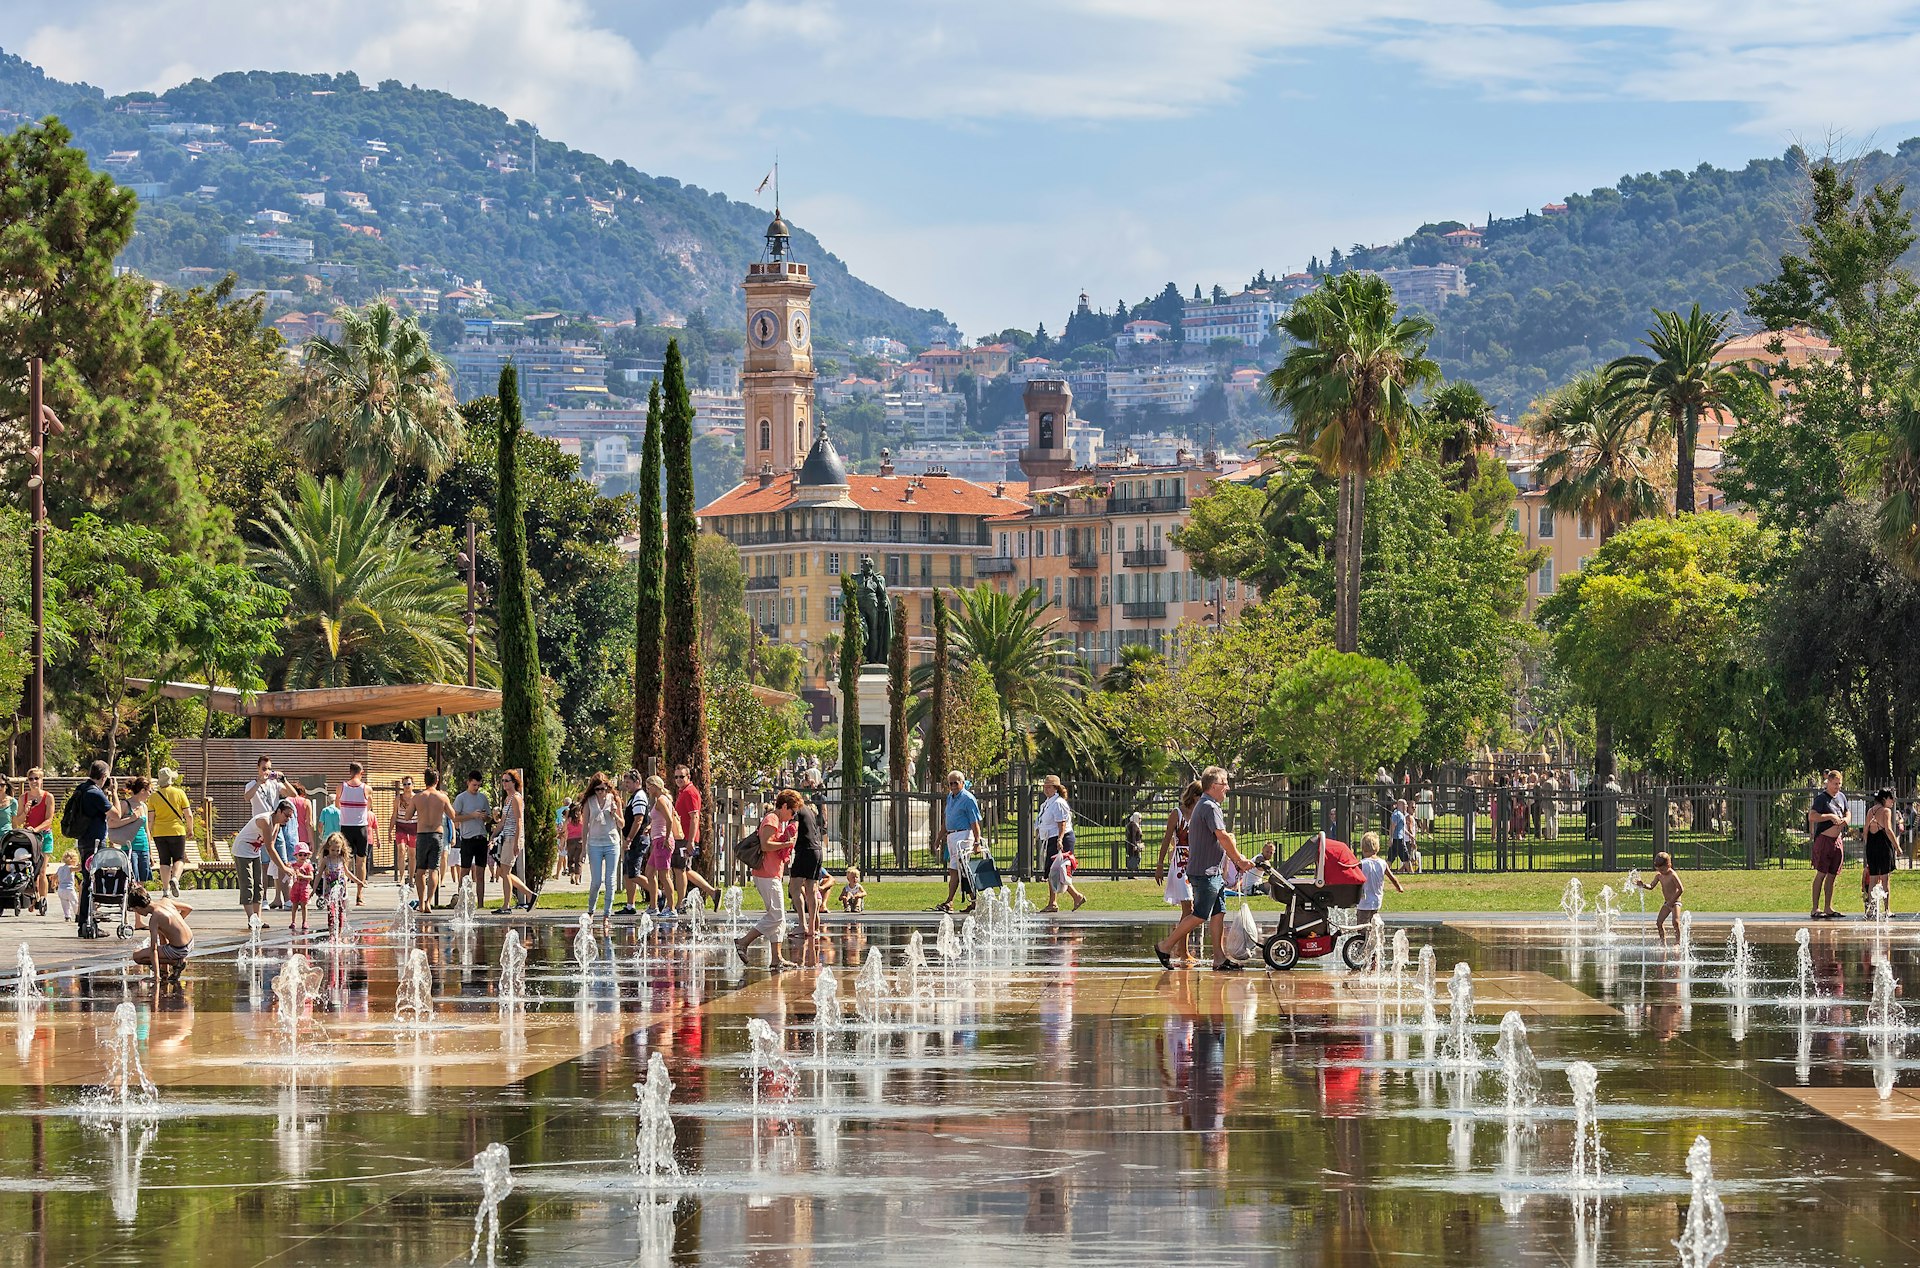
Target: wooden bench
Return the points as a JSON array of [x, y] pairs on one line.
[[208, 867]]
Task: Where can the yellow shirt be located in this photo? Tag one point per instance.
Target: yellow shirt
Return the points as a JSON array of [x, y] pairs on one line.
[[167, 811]]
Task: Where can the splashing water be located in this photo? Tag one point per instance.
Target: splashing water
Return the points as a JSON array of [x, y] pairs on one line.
[[293, 988], [1023, 908], [464, 904], [1572, 901], [27, 991], [1885, 1015], [413, 1001], [1803, 964], [730, 905], [870, 989], [1376, 961], [128, 1090], [644, 927], [1877, 907], [826, 1011], [495, 1170], [1739, 978], [1402, 955], [1461, 1048], [1519, 1073], [1683, 938], [251, 953], [1589, 1157], [1704, 1237], [1639, 890], [1429, 1020], [969, 937], [513, 975], [1606, 909], [403, 912], [918, 980], [653, 1143], [768, 1065], [945, 943], [585, 949]]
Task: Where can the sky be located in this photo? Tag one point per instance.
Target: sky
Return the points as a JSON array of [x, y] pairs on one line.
[[994, 158]]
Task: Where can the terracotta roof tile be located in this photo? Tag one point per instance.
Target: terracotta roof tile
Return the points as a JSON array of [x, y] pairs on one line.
[[939, 495]]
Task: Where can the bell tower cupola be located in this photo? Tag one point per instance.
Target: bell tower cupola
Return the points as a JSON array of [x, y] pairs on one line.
[[776, 379]]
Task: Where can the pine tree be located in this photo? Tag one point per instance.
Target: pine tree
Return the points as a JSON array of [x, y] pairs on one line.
[[648, 627], [526, 744], [853, 637], [683, 695]]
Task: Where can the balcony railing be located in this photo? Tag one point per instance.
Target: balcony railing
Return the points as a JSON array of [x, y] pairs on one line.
[[770, 630], [1154, 558], [1149, 610], [1085, 561], [1083, 611], [1146, 506], [991, 565], [769, 582]]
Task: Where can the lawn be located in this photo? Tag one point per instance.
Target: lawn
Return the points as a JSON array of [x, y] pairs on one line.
[[1764, 890]]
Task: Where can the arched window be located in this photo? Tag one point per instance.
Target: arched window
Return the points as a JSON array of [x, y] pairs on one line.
[[766, 434]]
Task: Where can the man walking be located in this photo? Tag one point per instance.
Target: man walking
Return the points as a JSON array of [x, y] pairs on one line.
[[963, 833], [686, 851], [1209, 846], [634, 842], [354, 799], [470, 810], [431, 811], [90, 809]]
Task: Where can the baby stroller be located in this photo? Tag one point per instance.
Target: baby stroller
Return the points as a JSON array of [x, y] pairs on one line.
[[112, 872], [1302, 887], [19, 873]]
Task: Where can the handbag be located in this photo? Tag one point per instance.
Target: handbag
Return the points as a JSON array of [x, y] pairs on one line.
[[124, 834], [750, 850]]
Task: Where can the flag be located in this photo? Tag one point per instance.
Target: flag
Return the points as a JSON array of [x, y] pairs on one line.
[[765, 181]]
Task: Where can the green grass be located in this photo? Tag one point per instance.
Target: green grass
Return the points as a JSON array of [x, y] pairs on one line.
[[1764, 890]]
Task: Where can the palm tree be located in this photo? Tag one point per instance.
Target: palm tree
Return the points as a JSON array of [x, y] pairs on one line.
[[1458, 421], [1599, 463], [366, 605], [827, 662], [1135, 663], [1680, 382], [1038, 680], [1347, 385], [376, 401]]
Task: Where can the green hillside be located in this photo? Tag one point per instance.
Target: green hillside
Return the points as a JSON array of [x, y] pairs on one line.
[[451, 190]]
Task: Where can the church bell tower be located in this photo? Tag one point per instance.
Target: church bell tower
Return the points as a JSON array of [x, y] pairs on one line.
[[776, 382]]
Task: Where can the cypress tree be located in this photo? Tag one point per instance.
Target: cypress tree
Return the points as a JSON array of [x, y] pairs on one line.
[[525, 743], [937, 763], [648, 628], [852, 759], [684, 692], [897, 698]]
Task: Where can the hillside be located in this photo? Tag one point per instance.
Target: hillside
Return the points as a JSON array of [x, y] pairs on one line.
[[449, 192]]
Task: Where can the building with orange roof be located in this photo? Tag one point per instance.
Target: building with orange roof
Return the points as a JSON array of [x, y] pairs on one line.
[[1765, 349]]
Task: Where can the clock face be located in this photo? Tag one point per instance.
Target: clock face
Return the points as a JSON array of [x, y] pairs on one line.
[[799, 330], [763, 328]]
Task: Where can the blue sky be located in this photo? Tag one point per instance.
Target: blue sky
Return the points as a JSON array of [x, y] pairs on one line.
[[993, 158]]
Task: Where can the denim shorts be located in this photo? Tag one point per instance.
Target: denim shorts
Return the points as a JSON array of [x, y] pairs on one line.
[[1209, 895]]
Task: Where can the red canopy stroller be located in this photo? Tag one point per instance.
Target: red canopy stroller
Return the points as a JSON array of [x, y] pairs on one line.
[[1321, 875]]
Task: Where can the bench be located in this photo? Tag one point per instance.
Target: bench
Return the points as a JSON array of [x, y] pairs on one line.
[[207, 867]]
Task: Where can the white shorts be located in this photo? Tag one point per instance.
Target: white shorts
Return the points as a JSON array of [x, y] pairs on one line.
[[959, 846]]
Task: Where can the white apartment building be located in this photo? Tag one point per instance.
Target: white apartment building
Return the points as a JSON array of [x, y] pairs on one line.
[[1248, 317], [1174, 388], [1427, 286], [272, 246], [925, 415]]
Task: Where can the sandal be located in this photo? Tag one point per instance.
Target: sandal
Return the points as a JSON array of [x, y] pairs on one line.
[[947, 908], [1166, 961], [1227, 966]]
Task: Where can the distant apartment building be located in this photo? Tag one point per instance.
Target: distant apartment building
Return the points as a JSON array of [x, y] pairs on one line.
[[271, 216], [422, 299], [1174, 389], [719, 411], [925, 415], [272, 246], [980, 463], [1427, 286], [1248, 317], [987, 361], [1143, 330], [553, 372], [887, 349]]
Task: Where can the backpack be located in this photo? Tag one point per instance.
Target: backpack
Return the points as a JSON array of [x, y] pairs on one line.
[[749, 850], [70, 819]]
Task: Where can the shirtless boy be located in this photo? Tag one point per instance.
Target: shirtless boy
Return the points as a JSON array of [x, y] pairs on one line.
[[169, 939], [1668, 882], [431, 810]]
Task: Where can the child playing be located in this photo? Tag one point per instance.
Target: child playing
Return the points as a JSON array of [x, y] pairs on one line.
[[300, 887], [1377, 871], [1671, 889], [853, 895], [333, 879], [63, 875], [1060, 877], [169, 938]]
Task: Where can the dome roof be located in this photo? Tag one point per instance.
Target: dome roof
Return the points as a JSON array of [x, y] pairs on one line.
[[778, 227], [823, 466]]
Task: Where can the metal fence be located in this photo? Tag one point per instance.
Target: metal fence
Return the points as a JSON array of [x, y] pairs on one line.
[[1459, 827]]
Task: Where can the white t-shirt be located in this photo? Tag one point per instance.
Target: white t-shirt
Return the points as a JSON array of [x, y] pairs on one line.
[[353, 805], [263, 796], [1374, 888], [1056, 818], [246, 842]]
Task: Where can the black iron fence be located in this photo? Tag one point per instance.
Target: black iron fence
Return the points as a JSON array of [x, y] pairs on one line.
[[1457, 827]]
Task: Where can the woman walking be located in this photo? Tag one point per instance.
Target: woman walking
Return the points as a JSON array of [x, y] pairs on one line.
[[777, 835], [663, 829], [127, 827], [1056, 822], [171, 822], [809, 869], [598, 812], [36, 816], [509, 843], [1882, 843], [1171, 868]]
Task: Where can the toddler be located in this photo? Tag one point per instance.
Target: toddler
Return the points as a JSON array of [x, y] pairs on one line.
[[1060, 877], [63, 876], [1668, 882], [1377, 871], [853, 895], [300, 886], [333, 880]]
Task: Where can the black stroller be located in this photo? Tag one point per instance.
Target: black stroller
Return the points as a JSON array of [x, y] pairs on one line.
[[20, 873], [112, 872], [1306, 930]]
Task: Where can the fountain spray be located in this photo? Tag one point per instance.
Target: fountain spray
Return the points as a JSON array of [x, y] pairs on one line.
[[653, 1143], [495, 1170], [1573, 902], [1704, 1238]]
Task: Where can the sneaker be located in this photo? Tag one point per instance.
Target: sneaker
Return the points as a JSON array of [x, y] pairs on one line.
[[628, 910]]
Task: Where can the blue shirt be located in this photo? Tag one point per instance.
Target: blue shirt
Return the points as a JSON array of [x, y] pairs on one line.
[[1399, 825], [962, 811], [329, 821]]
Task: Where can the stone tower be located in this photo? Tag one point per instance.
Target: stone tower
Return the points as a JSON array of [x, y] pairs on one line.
[[776, 381], [1047, 459]]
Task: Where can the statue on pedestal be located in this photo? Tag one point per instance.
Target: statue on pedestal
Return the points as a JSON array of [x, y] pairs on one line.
[[876, 612]]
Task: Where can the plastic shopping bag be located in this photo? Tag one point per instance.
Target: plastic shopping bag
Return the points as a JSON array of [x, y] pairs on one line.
[[1242, 936]]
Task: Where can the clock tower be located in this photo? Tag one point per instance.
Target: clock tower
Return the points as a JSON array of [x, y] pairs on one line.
[[776, 382]]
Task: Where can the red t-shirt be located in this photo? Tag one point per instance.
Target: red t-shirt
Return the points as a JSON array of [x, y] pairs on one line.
[[686, 804], [1342, 867]]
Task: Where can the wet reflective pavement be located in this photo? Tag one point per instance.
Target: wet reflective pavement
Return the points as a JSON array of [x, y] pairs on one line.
[[1053, 1097]]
